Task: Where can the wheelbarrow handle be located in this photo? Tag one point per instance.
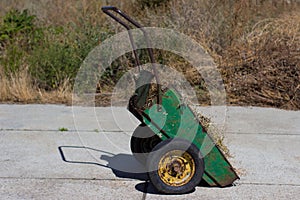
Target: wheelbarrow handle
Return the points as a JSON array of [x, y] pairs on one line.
[[109, 11]]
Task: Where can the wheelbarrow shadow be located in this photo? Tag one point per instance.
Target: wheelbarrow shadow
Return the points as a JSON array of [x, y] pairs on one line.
[[122, 165]]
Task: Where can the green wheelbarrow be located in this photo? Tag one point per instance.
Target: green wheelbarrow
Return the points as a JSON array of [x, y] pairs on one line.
[[177, 153]]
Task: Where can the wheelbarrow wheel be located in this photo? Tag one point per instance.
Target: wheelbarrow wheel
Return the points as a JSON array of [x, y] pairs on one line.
[[142, 142], [175, 166]]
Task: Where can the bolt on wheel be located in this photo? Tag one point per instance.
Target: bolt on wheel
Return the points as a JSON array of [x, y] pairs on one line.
[[176, 168]]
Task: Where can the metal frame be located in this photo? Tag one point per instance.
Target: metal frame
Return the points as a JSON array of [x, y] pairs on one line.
[[109, 11]]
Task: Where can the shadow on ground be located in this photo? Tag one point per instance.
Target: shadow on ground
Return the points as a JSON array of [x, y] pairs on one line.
[[121, 165]]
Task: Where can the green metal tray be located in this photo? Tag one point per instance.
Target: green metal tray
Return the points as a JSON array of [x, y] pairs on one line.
[[176, 119]]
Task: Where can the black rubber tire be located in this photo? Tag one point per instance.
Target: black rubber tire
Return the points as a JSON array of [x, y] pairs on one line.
[[142, 142], [167, 146]]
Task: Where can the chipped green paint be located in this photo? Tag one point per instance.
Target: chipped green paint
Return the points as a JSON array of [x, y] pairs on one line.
[[177, 120]]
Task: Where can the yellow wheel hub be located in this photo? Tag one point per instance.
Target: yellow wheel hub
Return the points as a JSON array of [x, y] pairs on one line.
[[176, 168]]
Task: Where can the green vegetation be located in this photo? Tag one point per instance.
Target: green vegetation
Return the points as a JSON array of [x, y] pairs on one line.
[[18, 36], [63, 129], [52, 53], [254, 43]]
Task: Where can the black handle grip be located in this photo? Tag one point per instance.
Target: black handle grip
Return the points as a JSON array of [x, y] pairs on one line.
[[109, 9]]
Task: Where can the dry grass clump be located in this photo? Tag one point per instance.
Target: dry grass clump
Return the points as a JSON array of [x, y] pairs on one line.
[[19, 88], [63, 94], [216, 134], [263, 67]]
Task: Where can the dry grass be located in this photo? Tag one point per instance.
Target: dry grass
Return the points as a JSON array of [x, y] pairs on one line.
[[18, 88], [255, 44], [58, 12], [63, 94], [263, 67], [216, 134], [215, 24]]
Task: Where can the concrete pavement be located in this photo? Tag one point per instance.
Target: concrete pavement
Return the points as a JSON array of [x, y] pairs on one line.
[[92, 160]]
